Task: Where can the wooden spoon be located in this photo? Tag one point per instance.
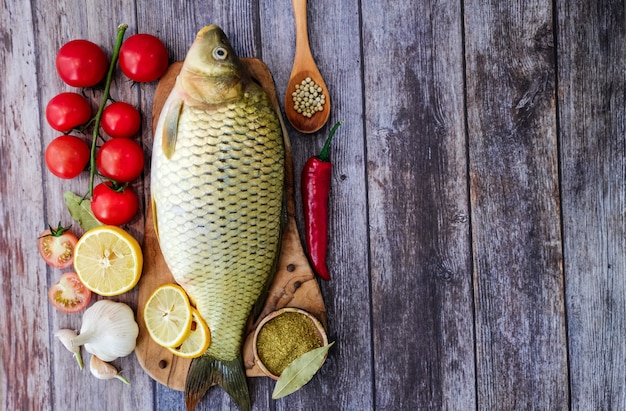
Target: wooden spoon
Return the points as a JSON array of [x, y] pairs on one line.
[[304, 66]]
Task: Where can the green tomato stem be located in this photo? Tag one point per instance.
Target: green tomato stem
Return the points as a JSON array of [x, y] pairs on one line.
[[121, 29]]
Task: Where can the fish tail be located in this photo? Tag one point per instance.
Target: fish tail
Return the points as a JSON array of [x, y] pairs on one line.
[[206, 371]]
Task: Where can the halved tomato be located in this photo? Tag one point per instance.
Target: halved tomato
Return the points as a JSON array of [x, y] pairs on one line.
[[56, 246], [69, 295]]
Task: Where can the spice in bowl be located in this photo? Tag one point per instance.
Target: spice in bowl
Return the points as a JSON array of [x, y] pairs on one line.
[[284, 336], [308, 98]]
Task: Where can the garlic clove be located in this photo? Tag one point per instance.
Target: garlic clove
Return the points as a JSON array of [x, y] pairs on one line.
[[105, 371], [67, 337]]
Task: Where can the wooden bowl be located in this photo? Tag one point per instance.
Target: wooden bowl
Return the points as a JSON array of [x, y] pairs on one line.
[[318, 325]]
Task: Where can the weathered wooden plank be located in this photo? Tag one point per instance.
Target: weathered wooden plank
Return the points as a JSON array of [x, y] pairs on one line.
[[24, 335], [345, 380], [56, 24], [519, 298], [592, 113], [418, 206]]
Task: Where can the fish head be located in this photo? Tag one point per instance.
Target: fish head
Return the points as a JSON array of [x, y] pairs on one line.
[[212, 72]]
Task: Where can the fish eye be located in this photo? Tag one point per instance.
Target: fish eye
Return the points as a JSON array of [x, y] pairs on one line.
[[220, 53]]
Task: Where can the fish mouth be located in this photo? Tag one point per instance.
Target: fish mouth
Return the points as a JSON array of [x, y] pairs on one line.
[[210, 28]]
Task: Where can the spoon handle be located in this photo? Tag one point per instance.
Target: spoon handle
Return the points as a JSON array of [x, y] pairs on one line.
[[302, 35]]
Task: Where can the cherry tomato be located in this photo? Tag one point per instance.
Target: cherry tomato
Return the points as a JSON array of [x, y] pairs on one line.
[[114, 207], [69, 295], [67, 156], [67, 110], [56, 246], [143, 58], [120, 160], [81, 63], [120, 120]]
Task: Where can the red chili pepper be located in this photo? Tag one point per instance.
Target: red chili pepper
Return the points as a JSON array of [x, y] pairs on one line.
[[315, 191]]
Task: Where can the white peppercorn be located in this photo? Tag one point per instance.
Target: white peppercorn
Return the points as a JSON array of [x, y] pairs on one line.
[[308, 98]]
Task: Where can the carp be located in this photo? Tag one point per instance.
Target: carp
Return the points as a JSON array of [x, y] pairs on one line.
[[217, 192]]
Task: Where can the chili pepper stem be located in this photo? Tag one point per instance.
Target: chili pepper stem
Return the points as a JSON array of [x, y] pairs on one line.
[[325, 153], [121, 29]]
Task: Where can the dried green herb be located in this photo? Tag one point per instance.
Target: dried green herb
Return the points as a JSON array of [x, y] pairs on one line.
[[80, 210], [300, 371], [285, 338]]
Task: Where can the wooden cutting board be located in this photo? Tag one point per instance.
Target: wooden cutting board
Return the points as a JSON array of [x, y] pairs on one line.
[[295, 284]]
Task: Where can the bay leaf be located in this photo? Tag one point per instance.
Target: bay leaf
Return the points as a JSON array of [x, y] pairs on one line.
[[300, 371], [80, 210]]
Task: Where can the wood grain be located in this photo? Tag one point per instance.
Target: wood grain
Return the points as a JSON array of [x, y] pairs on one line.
[[420, 244], [514, 187], [294, 285], [477, 204], [23, 338], [592, 111]]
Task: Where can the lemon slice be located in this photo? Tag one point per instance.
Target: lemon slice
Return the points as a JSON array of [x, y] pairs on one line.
[[198, 340], [108, 260], [168, 315]]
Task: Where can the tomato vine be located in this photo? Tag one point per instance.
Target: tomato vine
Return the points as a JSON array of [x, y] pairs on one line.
[[121, 29]]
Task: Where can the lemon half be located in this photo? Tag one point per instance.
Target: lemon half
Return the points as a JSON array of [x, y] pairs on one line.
[[108, 260]]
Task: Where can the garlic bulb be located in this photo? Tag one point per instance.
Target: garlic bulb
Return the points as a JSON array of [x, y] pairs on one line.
[[105, 371], [67, 338], [109, 330]]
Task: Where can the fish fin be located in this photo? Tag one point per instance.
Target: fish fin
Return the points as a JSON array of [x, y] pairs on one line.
[[206, 371], [170, 127]]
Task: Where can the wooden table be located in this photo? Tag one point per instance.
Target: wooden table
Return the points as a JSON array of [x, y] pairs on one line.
[[477, 229]]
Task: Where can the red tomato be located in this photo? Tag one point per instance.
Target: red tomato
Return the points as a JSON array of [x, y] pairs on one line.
[[120, 120], [120, 160], [67, 156], [81, 63], [67, 110], [114, 207], [69, 295], [143, 58], [56, 246]]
